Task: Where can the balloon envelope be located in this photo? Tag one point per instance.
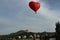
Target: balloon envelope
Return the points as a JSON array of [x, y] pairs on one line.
[[34, 5]]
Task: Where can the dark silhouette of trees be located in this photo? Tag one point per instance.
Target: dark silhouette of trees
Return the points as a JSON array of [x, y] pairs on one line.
[[57, 31]]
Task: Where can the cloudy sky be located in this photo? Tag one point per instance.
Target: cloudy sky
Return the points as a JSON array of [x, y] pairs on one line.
[[16, 15]]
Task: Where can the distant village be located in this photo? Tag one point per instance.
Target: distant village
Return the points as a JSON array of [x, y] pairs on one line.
[[25, 34]]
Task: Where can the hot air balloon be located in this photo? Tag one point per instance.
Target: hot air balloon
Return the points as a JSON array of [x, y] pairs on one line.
[[34, 5]]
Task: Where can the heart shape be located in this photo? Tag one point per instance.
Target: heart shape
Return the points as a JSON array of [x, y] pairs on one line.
[[34, 5]]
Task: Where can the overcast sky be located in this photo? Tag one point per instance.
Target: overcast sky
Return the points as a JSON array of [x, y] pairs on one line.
[[16, 15]]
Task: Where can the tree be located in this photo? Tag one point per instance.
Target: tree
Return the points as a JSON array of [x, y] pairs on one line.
[[57, 31]]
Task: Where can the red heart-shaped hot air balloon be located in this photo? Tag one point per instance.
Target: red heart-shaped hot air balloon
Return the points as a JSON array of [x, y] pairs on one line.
[[34, 5]]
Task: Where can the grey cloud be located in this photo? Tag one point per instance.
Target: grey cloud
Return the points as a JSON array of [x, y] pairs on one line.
[[17, 16]]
